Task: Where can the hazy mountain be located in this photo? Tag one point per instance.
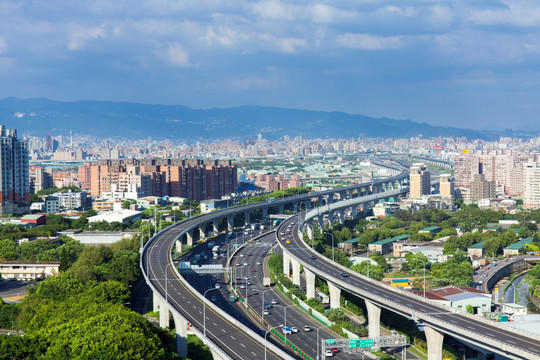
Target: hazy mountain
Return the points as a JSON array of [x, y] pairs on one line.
[[132, 120]]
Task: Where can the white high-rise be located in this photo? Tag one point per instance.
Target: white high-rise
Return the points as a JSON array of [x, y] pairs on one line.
[[531, 185]]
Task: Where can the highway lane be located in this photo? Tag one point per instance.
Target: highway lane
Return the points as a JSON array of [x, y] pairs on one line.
[[218, 329], [324, 268], [254, 254]]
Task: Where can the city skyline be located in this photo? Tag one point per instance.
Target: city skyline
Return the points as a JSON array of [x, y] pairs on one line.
[[458, 64]]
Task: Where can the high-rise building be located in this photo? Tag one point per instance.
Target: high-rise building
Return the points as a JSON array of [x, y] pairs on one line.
[[482, 188], [531, 185], [419, 180], [446, 185], [14, 171]]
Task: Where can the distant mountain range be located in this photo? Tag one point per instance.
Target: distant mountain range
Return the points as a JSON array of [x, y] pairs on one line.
[[39, 117]]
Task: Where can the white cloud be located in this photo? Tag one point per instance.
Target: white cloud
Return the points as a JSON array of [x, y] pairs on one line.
[[369, 42], [79, 35], [520, 13], [273, 9], [284, 45], [177, 56]]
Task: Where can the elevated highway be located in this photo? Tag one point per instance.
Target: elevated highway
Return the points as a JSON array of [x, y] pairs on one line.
[[439, 319]]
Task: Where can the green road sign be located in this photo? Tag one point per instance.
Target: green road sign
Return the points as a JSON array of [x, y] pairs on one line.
[[361, 343], [330, 341]]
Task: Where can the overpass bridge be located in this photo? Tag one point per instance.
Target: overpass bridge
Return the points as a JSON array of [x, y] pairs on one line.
[[438, 319]]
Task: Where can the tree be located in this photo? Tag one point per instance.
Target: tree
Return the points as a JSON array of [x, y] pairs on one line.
[[470, 309]]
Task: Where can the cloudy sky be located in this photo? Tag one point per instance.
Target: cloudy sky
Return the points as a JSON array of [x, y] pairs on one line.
[[471, 64]]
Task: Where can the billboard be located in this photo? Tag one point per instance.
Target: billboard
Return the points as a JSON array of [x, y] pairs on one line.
[[437, 148]]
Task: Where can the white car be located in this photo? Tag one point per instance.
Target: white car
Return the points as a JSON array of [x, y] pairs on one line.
[[218, 286], [294, 330], [328, 353], [266, 312]]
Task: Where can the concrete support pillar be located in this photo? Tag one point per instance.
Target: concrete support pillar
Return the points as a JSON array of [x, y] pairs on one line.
[[308, 204], [155, 301], [310, 284], [341, 217], [230, 223], [309, 230], [163, 314], [264, 212], [374, 319], [178, 245], [295, 207], [281, 208], [335, 295], [181, 329], [202, 231], [434, 343], [215, 225], [320, 219], [330, 199], [295, 272], [286, 264], [331, 219], [247, 216], [189, 237]]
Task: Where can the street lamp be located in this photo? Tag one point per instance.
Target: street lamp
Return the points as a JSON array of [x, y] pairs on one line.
[[204, 310], [265, 338], [332, 235], [285, 315], [424, 265], [319, 328], [368, 259]]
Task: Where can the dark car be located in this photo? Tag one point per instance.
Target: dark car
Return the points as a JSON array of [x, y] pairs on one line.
[[344, 274]]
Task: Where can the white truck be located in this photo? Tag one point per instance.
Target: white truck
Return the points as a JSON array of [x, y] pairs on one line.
[[266, 281]]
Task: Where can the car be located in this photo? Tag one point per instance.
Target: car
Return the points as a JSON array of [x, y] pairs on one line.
[[252, 270], [266, 312], [294, 330], [238, 278], [487, 268], [287, 242], [328, 353], [245, 264], [242, 255], [213, 299], [249, 283], [218, 286], [282, 233], [334, 350], [274, 302], [307, 328], [286, 330], [250, 254], [313, 257], [258, 263], [255, 291], [242, 286], [344, 274]]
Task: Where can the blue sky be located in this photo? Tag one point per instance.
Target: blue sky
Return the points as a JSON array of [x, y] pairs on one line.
[[472, 64]]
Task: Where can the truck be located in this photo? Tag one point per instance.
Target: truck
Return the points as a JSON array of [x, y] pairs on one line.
[[254, 226], [287, 330], [266, 281], [216, 255], [494, 263], [276, 222]]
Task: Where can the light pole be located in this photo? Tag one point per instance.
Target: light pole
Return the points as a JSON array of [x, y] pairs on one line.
[[319, 328], [367, 257], [204, 310], [285, 316], [332, 235], [265, 338], [424, 265]]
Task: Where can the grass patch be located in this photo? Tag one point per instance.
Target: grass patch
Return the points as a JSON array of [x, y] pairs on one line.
[[197, 350]]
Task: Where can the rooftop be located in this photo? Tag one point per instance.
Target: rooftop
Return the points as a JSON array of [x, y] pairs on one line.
[[518, 245], [479, 245]]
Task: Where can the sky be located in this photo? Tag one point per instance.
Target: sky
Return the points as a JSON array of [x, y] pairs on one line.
[[470, 64]]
